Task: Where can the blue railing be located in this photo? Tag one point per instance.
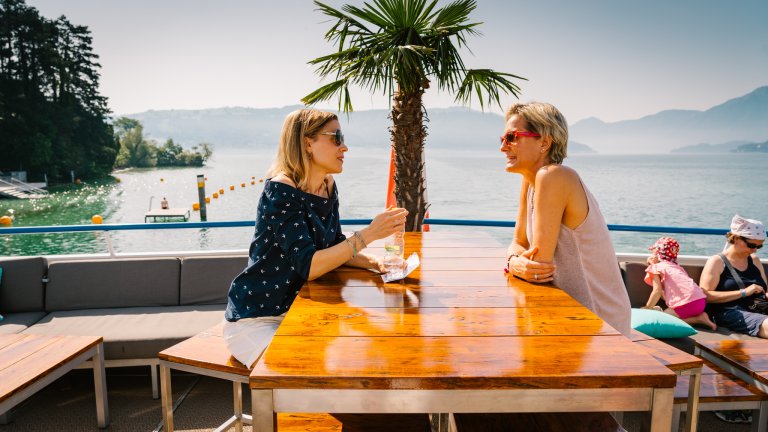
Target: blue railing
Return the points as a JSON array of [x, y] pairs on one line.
[[250, 223]]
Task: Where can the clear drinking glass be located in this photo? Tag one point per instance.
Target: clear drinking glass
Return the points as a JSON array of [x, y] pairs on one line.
[[394, 251]]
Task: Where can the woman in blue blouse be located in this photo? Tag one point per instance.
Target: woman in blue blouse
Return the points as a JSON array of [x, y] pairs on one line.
[[298, 235]]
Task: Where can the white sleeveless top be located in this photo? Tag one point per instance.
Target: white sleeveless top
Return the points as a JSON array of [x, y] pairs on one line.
[[586, 266]]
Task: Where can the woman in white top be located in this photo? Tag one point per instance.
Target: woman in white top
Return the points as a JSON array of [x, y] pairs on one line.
[[560, 235]]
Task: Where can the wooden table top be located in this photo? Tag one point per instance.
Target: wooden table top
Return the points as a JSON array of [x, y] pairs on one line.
[[457, 322], [27, 358], [751, 356]]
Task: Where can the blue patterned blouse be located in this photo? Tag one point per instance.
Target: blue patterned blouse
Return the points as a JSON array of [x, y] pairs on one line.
[[290, 226]]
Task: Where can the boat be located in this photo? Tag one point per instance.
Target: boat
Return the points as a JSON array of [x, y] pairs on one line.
[[67, 404]]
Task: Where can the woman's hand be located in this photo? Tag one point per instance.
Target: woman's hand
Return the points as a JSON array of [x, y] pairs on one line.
[[526, 268], [392, 220], [755, 289]]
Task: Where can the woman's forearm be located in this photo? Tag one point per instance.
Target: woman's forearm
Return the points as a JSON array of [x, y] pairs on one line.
[[325, 260]]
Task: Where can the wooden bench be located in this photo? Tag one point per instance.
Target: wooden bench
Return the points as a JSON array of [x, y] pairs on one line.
[[684, 365], [717, 389], [720, 390], [206, 354]]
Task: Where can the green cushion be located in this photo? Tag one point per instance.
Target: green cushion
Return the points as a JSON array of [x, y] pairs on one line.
[[659, 324]]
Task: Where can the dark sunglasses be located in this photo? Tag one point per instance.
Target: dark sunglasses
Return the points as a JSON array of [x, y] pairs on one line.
[[337, 136], [511, 137], [751, 245]]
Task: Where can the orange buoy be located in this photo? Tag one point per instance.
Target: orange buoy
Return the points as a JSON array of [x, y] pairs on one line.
[[242, 184], [6, 220], [206, 179], [207, 200], [77, 181], [162, 179], [117, 180], [231, 187], [253, 182], [196, 206], [215, 195], [97, 219], [261, 180], [221, 191]]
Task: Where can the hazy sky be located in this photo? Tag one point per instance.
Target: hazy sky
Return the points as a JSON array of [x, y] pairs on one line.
[[611, 59]]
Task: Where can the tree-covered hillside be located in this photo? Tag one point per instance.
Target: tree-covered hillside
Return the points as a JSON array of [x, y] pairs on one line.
[[52, 118]]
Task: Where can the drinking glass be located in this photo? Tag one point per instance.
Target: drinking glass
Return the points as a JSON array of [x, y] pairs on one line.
[[394, 251]]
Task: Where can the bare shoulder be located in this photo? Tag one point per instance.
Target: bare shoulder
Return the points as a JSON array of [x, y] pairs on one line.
[[714, 264], [557, 175], [282, 178]]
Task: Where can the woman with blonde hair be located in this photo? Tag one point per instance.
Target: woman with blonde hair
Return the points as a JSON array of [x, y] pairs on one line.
[[560, 235], [298, 235]]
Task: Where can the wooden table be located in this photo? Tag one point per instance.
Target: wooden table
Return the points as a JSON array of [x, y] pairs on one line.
[[746, 359], [29, 362], [457, 336]]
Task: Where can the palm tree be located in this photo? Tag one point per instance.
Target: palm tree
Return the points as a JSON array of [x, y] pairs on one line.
[[399, 47]]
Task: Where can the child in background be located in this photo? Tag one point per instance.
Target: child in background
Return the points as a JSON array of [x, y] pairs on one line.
[[686, 300]]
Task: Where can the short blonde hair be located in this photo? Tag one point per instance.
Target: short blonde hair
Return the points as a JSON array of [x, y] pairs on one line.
[[547, 121], [292, 158]]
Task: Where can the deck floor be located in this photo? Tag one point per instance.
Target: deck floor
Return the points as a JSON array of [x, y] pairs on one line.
[[68, 405]]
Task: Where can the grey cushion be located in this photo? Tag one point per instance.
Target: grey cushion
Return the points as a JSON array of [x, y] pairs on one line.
[[133, 333], [21, 289], [206, 280], [638, 290], [18, 322], [112, 283]]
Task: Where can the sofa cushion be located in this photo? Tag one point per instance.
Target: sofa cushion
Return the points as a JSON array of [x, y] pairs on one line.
[[133, 333], [18, 322], [206, 280], [660, 324], [21, 289], [112, 283]]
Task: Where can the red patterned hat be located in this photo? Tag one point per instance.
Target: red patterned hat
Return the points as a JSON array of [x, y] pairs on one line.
[[666, 248]]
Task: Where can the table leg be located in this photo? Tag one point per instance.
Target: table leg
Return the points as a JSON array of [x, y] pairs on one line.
[[263, 411], [760, 417], [100, 384], [237, 393], [166, 398], [661, 414], [692, 414]]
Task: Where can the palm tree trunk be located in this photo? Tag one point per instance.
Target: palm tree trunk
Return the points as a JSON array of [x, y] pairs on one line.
[[408, 134]]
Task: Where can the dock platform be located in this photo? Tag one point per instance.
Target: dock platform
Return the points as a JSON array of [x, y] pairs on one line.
[[166, 215]]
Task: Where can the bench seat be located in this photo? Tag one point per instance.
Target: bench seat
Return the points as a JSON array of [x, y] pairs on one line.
[[135, 332]]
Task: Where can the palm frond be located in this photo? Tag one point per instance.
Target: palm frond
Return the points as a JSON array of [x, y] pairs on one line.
[[327, 91], [480, 81]]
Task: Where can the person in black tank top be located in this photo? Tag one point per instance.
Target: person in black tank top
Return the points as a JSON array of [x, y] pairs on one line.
[[728, 300]]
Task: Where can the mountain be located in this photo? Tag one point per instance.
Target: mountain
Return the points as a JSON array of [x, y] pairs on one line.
[[744, 118], [240, 128], [728, 147]]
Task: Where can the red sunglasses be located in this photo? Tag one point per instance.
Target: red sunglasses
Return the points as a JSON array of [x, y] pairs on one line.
[[511, 137]]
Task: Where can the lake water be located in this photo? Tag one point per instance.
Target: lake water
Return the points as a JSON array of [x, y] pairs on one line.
[[664, 190]]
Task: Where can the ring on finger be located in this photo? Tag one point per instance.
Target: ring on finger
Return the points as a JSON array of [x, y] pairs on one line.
[[535, 276]]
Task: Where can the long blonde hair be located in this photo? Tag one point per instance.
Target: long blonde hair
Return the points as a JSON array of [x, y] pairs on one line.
[[548, 121], [292, 158]]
